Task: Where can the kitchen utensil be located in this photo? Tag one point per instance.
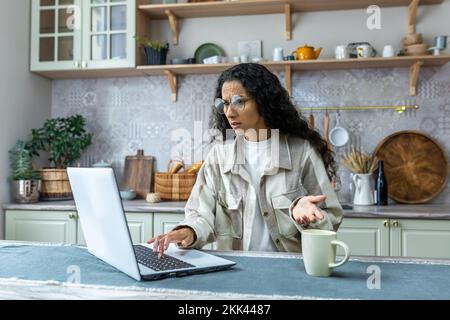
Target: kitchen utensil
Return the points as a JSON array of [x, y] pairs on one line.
[[365, 51], [353, 49], [102, 164], [341, 52], [338, 135], [319, 252], [364, 189], [440, 43], [326, 127], [277, 54], [138, 173], [207, 50], [128, 194], [415, 166], [311, 120], [307, 53], [178, 61], [388, 51]]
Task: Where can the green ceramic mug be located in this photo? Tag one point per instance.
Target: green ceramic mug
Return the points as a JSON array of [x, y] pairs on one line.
[[319, 252]]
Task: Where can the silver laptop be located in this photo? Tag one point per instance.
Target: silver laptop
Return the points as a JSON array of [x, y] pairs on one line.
[[105, 229]]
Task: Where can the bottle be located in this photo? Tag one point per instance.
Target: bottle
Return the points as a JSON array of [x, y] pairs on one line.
[[381, 187]]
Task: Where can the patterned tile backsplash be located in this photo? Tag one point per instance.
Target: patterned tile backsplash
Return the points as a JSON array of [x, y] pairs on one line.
[[127, 114]]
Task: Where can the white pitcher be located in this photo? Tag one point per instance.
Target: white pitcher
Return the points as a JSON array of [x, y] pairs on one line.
[[364, 189]]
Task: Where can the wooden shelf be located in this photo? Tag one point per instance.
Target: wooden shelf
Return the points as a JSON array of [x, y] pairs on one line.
[[412, 62], [176, 11], [172, 71], [254, 7]]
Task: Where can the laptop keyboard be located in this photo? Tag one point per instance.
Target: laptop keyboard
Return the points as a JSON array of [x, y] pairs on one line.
[[150, 259]]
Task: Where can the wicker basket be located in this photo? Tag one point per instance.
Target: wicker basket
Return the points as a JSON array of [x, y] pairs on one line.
[[55, 185], [174, 186]]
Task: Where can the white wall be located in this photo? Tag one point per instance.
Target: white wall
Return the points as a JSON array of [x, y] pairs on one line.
[[25, 99], [325, 29]]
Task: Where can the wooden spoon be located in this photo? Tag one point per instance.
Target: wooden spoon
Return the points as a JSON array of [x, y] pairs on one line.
[[311, 121], [326, 127]]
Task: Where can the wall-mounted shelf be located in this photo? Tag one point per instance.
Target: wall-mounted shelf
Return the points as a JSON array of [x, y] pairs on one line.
[[172, 71], [173, 12], [412, 62]]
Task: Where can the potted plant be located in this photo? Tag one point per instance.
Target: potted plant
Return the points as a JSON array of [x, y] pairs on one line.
[[155, 50], [25, 182], [64, 139]]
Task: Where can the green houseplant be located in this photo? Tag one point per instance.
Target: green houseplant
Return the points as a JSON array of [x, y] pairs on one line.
[[64, 139], [155, 50], [25, 181]]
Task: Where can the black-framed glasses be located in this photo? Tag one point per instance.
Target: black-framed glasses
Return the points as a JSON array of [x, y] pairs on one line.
[[237, 103]]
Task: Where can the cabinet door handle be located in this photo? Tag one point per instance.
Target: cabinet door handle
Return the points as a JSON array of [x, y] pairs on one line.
[[396, 224], [84, 64], [76, 64], [73, 216], [386, 223]]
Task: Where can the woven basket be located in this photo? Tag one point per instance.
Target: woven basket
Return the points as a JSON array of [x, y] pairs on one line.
[[174, 186], [55, 185]]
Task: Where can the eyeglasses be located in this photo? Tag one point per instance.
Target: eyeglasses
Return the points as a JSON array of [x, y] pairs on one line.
[[237, 103]]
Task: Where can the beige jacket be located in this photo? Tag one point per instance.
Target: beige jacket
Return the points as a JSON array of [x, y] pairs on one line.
[[221, 205]]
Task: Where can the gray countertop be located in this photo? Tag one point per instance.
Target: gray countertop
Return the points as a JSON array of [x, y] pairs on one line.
[[399, 211]]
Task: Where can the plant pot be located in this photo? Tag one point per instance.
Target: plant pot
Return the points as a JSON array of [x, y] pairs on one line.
[[25, 191], [155, 57], [55, 185]]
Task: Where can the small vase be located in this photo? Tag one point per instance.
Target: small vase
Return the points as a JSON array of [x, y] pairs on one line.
[[155, 57], [364, 189]]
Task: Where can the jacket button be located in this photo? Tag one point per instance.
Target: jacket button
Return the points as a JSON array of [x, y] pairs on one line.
[[265, 213], [277, 241]]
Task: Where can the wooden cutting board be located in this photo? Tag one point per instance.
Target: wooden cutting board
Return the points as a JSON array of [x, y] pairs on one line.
[[415, 166], [138, 173]]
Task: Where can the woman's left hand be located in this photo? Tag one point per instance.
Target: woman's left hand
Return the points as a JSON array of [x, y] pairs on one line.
[[306, 211]]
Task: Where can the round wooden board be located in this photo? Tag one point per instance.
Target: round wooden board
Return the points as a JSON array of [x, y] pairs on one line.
[[415, 166]]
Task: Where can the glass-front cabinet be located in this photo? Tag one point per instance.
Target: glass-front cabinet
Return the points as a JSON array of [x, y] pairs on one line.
[[82, 34]]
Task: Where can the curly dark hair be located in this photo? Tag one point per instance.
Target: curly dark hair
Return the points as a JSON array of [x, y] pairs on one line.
[[275, 106]]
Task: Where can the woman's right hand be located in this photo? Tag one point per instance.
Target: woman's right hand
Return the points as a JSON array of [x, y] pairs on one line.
[[183, 237]]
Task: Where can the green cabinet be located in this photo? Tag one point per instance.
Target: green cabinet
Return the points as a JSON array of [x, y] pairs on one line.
[[45, 226], [139, 224], [396, 237], [82, 34]]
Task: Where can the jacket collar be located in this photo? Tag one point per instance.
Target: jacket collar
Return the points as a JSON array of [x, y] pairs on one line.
[[280, 154]]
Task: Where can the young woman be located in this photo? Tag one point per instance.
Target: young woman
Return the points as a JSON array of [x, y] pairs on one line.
[[259, 190]]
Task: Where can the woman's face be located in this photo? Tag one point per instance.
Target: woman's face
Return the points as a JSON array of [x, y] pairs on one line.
[[248, 117]]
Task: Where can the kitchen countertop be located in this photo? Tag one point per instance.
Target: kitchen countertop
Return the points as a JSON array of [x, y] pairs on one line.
[[398, 211], [399, 277]]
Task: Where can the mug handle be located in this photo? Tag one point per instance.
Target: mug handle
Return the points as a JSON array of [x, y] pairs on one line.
[[356, 179], [346, 257]]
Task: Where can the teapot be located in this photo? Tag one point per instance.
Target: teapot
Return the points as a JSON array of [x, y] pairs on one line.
[[307, 53]]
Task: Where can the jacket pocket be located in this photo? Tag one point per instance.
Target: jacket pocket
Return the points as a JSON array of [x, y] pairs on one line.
[[232, 220], [281, 204]]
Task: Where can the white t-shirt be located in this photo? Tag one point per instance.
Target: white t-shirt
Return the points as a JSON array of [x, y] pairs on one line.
[[257, 158]]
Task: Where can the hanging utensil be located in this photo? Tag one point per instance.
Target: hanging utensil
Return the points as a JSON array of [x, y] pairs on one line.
[[311, 120], [326, 127]]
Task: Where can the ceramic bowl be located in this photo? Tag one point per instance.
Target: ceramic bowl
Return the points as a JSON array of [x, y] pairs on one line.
[[128, 194]]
